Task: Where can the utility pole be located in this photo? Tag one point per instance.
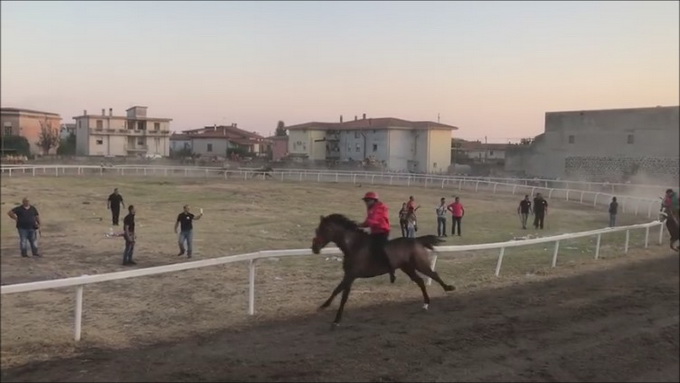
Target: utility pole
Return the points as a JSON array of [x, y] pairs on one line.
[[486, 150]]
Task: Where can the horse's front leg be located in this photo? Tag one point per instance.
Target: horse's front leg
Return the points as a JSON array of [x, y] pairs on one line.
[[345, 295], [341, 286]]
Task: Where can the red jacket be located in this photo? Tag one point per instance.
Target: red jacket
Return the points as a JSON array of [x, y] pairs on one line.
[[378, 219]]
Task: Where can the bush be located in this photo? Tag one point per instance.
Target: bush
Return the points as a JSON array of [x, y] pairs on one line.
[[16, 143]]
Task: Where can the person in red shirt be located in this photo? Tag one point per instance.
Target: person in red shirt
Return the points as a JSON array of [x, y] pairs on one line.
[[458, 211], [377, 225]]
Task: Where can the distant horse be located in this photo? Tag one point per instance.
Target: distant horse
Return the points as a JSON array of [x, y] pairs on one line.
[[671, 225], [407, 254]]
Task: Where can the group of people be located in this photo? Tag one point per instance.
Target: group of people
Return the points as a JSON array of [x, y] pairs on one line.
[[28, 225], [539, 209], [409, 223]]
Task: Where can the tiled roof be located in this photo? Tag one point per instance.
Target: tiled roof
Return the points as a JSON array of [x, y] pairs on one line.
[[373, 123]]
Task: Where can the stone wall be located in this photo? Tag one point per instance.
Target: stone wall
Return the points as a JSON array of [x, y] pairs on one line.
[[622, 168]]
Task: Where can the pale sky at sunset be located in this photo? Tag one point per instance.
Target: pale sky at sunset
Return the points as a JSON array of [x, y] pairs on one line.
[[491, 68]]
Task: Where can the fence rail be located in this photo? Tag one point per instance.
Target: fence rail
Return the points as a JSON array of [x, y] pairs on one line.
[[628, 203]]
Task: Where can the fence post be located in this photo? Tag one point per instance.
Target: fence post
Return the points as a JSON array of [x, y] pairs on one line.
[[460, 183], [597, 246], [514, 187], [56, 173], [557, 249], [567, 194], [318, 177], [550, 193], [336, 178], [581, 200], [79, 313], [494, 187], [476, 186], [251, 288], [646, 237], [625, 247], [595, 200], [444, 180], [500, 261], [661, 234], [432, 266]]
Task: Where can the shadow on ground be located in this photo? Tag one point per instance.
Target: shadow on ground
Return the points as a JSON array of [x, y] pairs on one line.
[[619, 324]]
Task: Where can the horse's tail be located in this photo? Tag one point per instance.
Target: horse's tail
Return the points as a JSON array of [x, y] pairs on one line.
[[429, 241]]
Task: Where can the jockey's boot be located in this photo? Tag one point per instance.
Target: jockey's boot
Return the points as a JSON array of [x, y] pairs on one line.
[[392, 277]]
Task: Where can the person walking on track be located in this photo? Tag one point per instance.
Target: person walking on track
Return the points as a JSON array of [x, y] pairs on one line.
[[28, 225], [613, 210], [540, 211], [523, 210], [457, 211], [114, 203], [441, 211], [130, 236], [185, 219], [377, 225]]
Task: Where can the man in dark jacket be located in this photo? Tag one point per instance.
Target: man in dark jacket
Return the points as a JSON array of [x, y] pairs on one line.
[[540, 210], [28, 224], [114, 203]]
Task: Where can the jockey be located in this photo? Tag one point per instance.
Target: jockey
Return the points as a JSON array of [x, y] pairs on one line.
[[671, 203], [377, 225]]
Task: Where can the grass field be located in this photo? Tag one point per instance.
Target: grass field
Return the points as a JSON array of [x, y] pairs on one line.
[[240, 216]]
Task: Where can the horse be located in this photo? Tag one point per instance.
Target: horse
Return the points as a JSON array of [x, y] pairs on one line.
[[407, 254], [671, 225]]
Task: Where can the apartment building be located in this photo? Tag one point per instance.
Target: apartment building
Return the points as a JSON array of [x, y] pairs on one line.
[[29, 123]]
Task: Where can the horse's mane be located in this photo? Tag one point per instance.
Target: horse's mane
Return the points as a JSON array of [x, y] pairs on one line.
[[343, 221]]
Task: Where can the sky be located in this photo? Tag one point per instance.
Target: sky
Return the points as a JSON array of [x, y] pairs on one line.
[[493, 69]]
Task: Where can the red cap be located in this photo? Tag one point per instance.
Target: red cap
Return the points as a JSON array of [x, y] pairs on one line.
[[371, 195]]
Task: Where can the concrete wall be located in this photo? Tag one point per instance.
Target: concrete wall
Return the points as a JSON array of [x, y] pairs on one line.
[[279, 149], [176, 145], [575, 137], [439, 152], [303, 142], [400, 149], [219, 146], [360, 144]]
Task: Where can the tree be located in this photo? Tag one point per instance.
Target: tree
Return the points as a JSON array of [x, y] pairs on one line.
[[280, 129], [48, 138], [67, 146], [19, 144]]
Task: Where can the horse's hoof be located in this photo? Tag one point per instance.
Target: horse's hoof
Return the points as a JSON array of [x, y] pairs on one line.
[[450, 288], [426, 306]]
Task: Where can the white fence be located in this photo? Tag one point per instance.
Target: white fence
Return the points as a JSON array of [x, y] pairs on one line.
[[80, 282], [629, 204]]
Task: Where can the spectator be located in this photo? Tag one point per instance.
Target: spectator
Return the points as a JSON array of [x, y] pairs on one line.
[[524, 209], [411, 225], [28, 224], [114, 203], [185, 219], [540, 211], [130, 236], [613, 209], [402, 219], [457, 211], [441, 218]]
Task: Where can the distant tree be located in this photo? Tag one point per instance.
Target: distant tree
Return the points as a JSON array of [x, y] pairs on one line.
[[280, 129], [16, 143], [67, 146], [49, 136]]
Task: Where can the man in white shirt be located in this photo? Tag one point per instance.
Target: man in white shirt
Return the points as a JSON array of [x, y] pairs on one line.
[[441, 218]]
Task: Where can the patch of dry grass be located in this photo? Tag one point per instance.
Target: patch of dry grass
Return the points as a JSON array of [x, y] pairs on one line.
[[240, 216]]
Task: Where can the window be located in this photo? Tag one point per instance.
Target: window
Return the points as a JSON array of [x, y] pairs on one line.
[[186, 145], [375, 147], [140, 142], [8, 130], [157, 141], [491, 152], [157, 126], [209, 149], [100, 124], [100, 142], [571, 139], [358, 148], [631, 139]]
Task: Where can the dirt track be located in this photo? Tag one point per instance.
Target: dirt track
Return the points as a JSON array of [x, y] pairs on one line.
[[619, 324]]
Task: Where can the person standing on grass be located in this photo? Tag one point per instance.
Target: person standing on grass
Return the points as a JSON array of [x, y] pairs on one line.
[[130, 236], [402, 219], [540, 211], [28, 224], [457, 211], [410, 225], [524, 209], [114, 203], [185, 219], [613, 209], [441, 218]]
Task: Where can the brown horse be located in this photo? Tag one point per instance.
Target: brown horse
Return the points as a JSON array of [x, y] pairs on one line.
[[671, 225], [408, 254]]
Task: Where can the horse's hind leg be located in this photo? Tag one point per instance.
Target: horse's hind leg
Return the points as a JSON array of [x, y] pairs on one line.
[[345, 295], [424, 268], [419, 281]]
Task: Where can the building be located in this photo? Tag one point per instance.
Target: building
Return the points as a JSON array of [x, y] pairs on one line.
[[66, 130], [134, 134], [398, 145], [479, 152], [279, 147], [220, 140], [29, 124], [612, 145]]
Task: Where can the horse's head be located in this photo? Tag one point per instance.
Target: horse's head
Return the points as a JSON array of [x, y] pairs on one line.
[[332, 228]]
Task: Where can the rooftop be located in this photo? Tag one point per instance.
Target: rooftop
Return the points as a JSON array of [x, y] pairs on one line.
[[374, 123], [21, 110]]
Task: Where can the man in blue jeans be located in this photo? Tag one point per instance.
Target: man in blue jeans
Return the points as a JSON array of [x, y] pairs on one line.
[[185, 219], [130, 236], [28, 224]]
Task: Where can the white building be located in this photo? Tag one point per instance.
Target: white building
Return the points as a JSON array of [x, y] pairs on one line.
[[129, 135], [399, 145], [602, 144]]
